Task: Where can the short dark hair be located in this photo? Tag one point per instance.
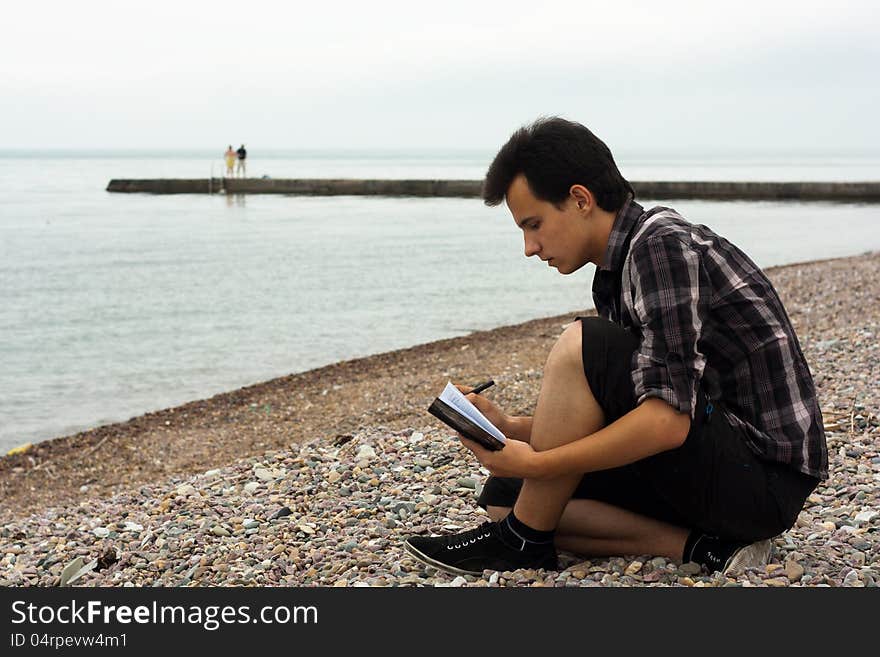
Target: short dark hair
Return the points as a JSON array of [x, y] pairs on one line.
[[553, 154]]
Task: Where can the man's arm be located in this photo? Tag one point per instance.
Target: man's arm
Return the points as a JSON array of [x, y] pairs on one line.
[[670, 301], [671, 297], [650, 428]]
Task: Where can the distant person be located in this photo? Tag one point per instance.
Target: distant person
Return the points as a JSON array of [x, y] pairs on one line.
[[681, 422], [230, 156], [242, 156]]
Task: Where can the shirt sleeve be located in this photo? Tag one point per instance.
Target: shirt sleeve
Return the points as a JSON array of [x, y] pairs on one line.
[[671, 298]]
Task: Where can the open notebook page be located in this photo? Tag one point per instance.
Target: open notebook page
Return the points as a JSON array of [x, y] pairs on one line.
[[452, 396]]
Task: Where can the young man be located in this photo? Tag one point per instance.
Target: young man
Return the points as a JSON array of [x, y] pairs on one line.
[[681, 422], [241, 170]]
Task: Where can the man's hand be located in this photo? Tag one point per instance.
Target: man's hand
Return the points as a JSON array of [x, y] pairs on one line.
[[516, 459], [488, 408]]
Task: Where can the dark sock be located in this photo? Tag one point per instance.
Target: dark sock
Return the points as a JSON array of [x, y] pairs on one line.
[[710, 551], [519, 535]]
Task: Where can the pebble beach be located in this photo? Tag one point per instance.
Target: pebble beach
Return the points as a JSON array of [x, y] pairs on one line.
[[315, 479]]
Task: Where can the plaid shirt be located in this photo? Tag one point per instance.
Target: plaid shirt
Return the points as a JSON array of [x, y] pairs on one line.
[[709, 319]]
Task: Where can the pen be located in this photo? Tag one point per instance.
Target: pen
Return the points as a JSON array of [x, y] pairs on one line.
[[480, 388]]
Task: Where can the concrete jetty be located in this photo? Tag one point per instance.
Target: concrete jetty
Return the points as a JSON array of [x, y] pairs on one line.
[[797, 191]]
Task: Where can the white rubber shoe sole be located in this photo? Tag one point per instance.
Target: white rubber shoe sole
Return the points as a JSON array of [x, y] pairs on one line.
[[750, 556], [424, 558]]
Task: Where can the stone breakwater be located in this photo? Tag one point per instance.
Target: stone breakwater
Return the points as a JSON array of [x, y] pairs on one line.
[[801, 191], [333, 511]]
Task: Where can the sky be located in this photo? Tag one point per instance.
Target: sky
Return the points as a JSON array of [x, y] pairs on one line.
[[662, 76]]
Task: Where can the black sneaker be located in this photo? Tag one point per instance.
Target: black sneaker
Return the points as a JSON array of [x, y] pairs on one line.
[[476, 550], [729, 557]]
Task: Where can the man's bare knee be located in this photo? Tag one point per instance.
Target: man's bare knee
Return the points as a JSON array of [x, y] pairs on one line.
[[567, 409], [567, 350]]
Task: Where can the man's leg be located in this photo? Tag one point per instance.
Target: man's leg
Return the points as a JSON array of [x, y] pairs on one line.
[[566, 411], [594, 528]]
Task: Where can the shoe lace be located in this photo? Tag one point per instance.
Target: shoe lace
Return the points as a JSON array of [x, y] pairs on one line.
[[458, 541]]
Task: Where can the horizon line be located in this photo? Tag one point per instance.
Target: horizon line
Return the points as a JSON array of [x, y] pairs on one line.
[[430, 150]]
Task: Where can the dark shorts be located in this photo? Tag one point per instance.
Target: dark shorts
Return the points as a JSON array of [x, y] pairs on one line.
[[713, 482]]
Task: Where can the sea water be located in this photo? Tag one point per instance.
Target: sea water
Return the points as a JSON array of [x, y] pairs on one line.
[[112, 305]]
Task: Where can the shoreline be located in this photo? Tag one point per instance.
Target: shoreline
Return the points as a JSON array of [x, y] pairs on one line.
[[313, 479], [329, 401]]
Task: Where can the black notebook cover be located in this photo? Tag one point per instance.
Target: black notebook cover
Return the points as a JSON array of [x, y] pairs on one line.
[[447, 414]]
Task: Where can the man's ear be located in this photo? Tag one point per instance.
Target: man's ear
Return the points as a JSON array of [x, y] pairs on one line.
[[582, 196]]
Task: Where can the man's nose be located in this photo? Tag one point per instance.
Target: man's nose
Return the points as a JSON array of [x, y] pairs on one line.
[[532, 247]]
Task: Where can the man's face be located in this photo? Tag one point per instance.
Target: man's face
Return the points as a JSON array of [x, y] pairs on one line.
[[563, 238]]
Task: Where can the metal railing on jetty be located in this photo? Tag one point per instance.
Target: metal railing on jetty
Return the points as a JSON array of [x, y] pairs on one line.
[[799, 191]]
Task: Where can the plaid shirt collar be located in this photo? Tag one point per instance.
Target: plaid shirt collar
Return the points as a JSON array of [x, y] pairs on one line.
[[621, 232]]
